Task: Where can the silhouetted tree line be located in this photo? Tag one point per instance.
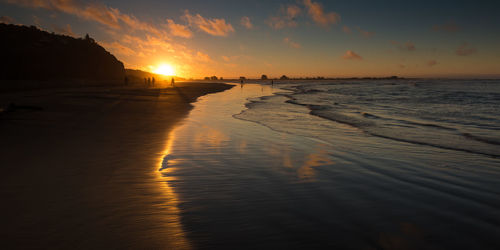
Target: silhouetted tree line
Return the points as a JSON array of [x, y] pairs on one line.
[[32, 54]]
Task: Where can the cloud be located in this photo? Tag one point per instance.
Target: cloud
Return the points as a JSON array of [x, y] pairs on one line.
[[317, 13], [432, 63], [449, 27], [408, 46], [287, 17], [178, 29], [118, 48], [203, 57], [37, 21], [465, 49], [214, 27], [351, 55], [65, 30], [293, 11], [291, 43], [364, 33], [6, 19], [94, 11], [346, 29], [245, 21]]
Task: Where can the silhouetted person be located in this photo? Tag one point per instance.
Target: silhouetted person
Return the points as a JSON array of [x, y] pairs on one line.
[[241, 81], [172, 82], [272, 82], [149, 82], [153, 81]]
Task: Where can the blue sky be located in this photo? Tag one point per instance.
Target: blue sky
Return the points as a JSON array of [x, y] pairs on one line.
[[296, 38]]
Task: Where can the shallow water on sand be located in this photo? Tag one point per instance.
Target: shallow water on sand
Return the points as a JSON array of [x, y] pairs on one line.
[[241, 184]]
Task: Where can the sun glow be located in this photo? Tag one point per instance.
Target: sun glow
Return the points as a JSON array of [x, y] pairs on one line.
[[165, 69]]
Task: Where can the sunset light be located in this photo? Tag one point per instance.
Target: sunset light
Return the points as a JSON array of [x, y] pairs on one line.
[[165, 69], [311, 124]]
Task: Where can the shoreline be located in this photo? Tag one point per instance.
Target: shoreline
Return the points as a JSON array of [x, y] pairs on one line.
[[81, 171]]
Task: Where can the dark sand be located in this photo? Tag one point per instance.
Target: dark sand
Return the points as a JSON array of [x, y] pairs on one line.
[[82, 172]]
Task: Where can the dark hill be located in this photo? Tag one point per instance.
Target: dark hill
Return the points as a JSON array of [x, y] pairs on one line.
[[28, 53]]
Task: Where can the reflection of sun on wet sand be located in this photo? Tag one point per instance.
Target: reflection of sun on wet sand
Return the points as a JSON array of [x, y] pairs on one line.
[[83, 171]]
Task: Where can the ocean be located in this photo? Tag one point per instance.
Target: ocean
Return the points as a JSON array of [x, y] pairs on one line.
[[345, 164]]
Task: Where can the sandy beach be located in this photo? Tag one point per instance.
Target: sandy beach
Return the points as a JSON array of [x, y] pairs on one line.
[[79, 166]]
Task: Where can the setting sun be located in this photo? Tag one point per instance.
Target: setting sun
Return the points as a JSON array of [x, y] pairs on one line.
[[165, 69]]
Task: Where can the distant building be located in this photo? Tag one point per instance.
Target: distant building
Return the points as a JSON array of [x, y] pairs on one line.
[[284, 77], [263, 77], [213, 78]]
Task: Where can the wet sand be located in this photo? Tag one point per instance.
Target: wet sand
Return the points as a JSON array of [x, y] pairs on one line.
[[80, 167]]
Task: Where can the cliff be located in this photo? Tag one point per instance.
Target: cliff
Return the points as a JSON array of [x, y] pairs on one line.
[[32, 54]]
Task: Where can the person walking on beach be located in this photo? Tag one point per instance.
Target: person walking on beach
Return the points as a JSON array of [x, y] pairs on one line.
[[153, 82], [172, 82]]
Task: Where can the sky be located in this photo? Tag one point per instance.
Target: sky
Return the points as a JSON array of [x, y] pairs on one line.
[[297, 38]]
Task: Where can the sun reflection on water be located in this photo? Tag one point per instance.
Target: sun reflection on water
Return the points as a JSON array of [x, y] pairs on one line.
[[163, 178]]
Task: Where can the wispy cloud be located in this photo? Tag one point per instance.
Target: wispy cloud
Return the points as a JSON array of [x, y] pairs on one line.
[[245, 21], [118, 48], [432, 63], [449, 27], [65, 30], [287, 17], [351, 55], [214, 26], [203, 57], [365, 33], [94, 11], [465, 49], [178, 29], [407, 46], [315, 10], [291, 43], [37, 21], [6, 19], [346, 29]]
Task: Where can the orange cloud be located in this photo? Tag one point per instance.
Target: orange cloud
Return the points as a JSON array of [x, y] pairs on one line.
[[346, 29], [317, 13], [178, 29], [65, 30], [203, 57], [286, 18], [118, 48], [465, 49], [94, 11], [6, 19], [351, 55], [245, 21], [364, 33], [291, 43], [292, 12], [432, 63], [214, 27]]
